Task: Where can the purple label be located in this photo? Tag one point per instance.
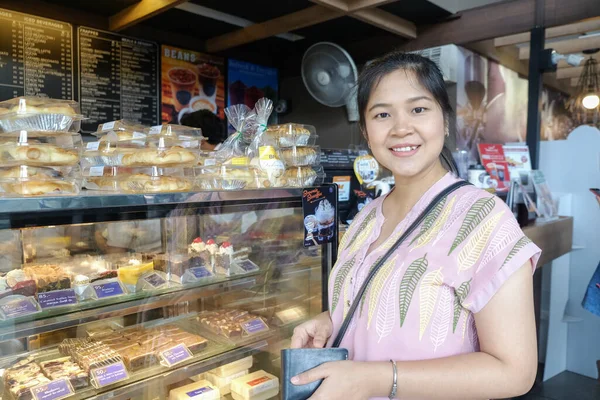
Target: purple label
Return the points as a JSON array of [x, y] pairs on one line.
[[110, 374], [19, 308], [155, 280], [197, 392], [57, 298], [52, 391], [254, 326], [108, 289], [200, 272], [176, 354], [247, 265]]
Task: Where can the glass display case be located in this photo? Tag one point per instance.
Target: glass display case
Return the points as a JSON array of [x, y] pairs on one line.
[[180, 296]]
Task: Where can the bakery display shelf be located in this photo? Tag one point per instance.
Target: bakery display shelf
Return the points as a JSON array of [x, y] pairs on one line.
[[94, 310]]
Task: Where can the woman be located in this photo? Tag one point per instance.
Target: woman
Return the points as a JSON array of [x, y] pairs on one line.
[[453, 306]]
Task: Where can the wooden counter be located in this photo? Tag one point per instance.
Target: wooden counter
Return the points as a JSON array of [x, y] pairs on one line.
[[555, 238]]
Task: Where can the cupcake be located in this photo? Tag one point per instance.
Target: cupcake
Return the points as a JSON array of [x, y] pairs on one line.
[[199, 253], [223, 259]]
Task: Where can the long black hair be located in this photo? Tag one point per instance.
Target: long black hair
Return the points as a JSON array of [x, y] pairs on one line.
[[427, 74]]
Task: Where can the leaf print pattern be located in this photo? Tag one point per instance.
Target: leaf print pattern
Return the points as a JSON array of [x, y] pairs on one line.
[[441, 322], [459, 297], [505, 235], [377, 286], [428, 294], [431, 233], [413, 274], [470, 253], [465, 202], [338, 285], [524, 241], [430, 220], [361, 278], [474, 217], [386, 314], [363, 232]]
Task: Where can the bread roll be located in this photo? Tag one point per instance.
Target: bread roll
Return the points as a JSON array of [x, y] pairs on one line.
[[39, 187], [150, 157], [147, 183]]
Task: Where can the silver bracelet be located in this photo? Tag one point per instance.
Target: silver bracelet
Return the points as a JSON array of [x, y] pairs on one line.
[[395, 384]]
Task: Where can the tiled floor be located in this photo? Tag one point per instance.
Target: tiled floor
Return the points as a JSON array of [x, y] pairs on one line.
[[566, 386]]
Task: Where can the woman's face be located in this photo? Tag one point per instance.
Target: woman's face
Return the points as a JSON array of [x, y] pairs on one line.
[[404, 125]]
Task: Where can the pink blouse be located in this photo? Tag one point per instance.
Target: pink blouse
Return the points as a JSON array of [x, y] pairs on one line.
[[421, 303]]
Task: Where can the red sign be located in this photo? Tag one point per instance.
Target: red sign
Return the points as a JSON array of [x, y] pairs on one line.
[[494, 162]]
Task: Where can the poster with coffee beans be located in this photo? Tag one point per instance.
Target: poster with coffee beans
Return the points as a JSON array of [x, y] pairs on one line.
[[191, 81], [320, 209]]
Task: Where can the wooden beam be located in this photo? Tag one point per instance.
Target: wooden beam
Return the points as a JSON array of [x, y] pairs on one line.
[[338, 5], [387, 21], [578, 28], [500, 19], [140, 11], [508, 56], [573, 72], [357, 5], [58, 12], [297, 20], [566, 46]]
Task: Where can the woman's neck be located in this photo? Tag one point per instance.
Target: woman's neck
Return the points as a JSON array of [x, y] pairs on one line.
[[408, 190]]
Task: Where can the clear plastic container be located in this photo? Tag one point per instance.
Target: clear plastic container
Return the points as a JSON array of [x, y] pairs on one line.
[[300, 156], [25, 181], [162, 152], [227, 177], [176, 131], [37, 149], [40, 113], [259, 385], [233, 368], [123, 129], [224, 383], [207, 158], [303, 176], [138, 180], [288, 135]]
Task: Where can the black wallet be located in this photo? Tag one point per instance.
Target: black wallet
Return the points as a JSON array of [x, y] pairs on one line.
[[297, 361]]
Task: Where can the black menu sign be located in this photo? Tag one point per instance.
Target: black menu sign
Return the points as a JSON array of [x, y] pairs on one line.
[[118, 78], [35, 56]]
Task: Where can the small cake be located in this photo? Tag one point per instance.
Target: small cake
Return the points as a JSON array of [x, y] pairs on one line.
[[65, 368], [259, 385], [223, 258], [213, 249], [200, 254], [138, 357], [15, 276], [133, 270], [48, 277], [174, 263], [193, 342]]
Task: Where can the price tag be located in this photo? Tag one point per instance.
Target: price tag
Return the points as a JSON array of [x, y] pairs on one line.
[[175, 355], [200, 272], [57, 298], [247, 265], [343, 183], [54, 390], [92, 146], [19, 308], [110, 374], [200, 391], [155, 280], [108, 126], [108, 289], [193, 144], [97, 171], [210, 162], [155, 130], [254, 326], [139, 135]]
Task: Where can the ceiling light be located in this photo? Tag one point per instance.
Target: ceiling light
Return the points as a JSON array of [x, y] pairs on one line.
[[590, 101], [584, 103]]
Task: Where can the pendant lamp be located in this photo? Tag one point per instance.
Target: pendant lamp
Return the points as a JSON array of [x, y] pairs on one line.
[[584, 105]]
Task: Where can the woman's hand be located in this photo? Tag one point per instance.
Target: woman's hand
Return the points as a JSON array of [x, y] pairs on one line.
[[343, 380], [314, 333]]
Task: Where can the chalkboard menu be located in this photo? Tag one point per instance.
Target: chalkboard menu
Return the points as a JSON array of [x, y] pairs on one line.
[[118, 78], [35, 56]]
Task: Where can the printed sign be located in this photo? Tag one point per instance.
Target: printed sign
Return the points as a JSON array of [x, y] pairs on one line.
[[247, 265], [492, 158], [200, 391], [110, 374], [175, 355], [254, 326], [155, 280], [57, 298], [54, 390], [19, 308], [108, 289], [320, 207], [200, 272], [343, 183]]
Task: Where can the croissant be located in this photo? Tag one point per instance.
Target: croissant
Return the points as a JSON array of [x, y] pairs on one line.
[[146, 183], [45, 155], [151, 157], [38, 187]]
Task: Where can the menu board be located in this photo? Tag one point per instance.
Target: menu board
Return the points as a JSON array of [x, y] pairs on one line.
[[118, 78], [35, 56]]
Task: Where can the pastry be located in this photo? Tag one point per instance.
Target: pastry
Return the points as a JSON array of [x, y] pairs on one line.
[[42, 155], [201, 257], [129, 274], [150, 157], [152, 184], [288, 135], [29, 172], [299, 156], [194, 343], [138, 357], [175, 264], [25, 288], [65, 368], [39, 187], [103, 275], [48, 277], [300, 176], [33, 107], [223, 258], [21, 377], [15, 276]]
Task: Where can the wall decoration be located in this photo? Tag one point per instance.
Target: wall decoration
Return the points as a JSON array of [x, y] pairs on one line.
[[191, 81], [248, 82]]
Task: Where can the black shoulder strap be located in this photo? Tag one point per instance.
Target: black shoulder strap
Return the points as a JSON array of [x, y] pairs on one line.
[[381, 261]]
